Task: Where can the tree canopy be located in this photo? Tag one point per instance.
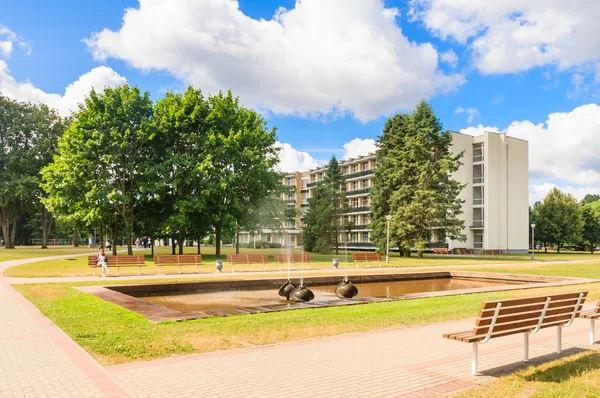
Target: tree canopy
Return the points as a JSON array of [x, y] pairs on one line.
[[413, 182], [560, 218]]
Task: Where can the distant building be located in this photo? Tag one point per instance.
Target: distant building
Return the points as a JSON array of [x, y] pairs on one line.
[[495, 211]]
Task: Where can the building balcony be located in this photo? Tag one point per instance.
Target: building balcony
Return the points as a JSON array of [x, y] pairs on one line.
[[363, 191], [360, 227], [361, 209], [290, 201], [358, 174], [314, 184], [477, 224]]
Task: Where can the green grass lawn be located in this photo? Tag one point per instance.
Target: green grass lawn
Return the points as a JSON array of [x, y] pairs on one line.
[[21, 252], [77, 266], [116, 335], [574, 376]]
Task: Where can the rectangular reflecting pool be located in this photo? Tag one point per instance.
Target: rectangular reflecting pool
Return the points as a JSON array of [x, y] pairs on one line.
[[192, 300], [248, 298]]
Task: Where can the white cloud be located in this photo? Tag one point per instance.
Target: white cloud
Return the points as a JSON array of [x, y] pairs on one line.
[[8, 39], [359, 147], [320, 58], [291, 159], [450, 58], [6, 48], [563, 149], [97, 78], [471, 112], [513, 35]]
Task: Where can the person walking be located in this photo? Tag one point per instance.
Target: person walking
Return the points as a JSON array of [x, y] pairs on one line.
[[137, 243], [101, 261]]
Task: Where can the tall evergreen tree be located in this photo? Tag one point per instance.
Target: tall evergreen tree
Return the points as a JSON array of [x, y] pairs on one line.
[[413, 182], [325, 216]]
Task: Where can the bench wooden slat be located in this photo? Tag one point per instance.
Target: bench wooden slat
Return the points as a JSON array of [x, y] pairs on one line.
[[248, 259], [368, 256], [120, 261], [178, 260], [293, 258]]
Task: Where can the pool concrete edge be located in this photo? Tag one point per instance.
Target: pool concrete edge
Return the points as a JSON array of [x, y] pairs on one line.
[[117, 294]]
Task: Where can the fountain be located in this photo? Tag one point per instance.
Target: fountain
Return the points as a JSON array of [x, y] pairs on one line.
[[346, 289], [286, 289], [302, 293]]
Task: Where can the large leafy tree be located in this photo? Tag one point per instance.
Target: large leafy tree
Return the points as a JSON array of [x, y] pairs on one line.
[[413, 182], [591, 224], [181, 186], [240, 165], [561, 218], [325, 222], [28, 136], [104, 159]]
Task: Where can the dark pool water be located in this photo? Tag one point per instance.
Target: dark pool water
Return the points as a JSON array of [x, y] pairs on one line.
[[198, 301]]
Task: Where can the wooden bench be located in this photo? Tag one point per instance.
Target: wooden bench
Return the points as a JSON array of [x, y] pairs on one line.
[[118, 262], [489, 252], [295, 258], [524, 315], [464, 251], [178, 260], [440, 250], [249, 259], [592, 315], [370, 256]]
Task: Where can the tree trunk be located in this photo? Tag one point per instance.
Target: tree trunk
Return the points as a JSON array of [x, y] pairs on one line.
[[198, 245], [75, 237], [101, 235], [173, 244], [237, 241], [4, 225], [545, 248], [406, 252], [558, 249], [218, 240], [129, 235], [44, 227], [113, 237], [151, 246], [180, 241], [13, 233]]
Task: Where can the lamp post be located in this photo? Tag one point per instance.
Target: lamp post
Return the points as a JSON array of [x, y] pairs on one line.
[[532, 241], [387, 247]]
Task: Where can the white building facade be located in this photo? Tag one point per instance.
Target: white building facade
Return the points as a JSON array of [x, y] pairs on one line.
[[494, 171]]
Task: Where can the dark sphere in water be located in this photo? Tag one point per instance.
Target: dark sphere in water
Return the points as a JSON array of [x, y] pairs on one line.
[[302, 294], [346, 289], [286, 289]]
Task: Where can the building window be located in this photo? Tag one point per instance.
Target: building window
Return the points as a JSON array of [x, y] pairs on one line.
[[365, 183], [355, 237], [365, 237], [478, 152], [355, 202], [365, 166], [355, 219], [355, 186], [304, 197], [291, 181], [478, 241], [365, 220], [304, 183], [355, 168]]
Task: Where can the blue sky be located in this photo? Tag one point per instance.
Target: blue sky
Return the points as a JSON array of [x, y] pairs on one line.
[[326, 73]]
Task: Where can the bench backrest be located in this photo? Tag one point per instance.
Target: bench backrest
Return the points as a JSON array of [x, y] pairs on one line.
[[119, 260], [178, 259], [248, 258], [526, 314], [366, 256], [292, 258]]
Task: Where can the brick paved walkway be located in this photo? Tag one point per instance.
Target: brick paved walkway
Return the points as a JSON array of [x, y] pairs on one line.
[[38, 359]]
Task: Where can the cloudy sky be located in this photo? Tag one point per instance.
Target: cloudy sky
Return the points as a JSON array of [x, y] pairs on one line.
[[327, 73]]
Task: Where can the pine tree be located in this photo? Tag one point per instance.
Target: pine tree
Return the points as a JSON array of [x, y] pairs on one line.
[[324, 218], [413, 182]]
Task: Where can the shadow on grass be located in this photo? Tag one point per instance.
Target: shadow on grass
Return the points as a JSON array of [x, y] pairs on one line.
[[537, 361], [568, 370]]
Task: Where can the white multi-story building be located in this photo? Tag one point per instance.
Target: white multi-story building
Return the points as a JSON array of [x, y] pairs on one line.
[[495, 209]]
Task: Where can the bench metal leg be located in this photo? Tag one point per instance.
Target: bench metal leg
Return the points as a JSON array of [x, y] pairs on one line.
[[559, 339], [474, 359], [592, 331], [525, 347]]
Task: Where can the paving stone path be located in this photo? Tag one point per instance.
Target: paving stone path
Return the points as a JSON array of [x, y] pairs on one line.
[[37, 359]]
